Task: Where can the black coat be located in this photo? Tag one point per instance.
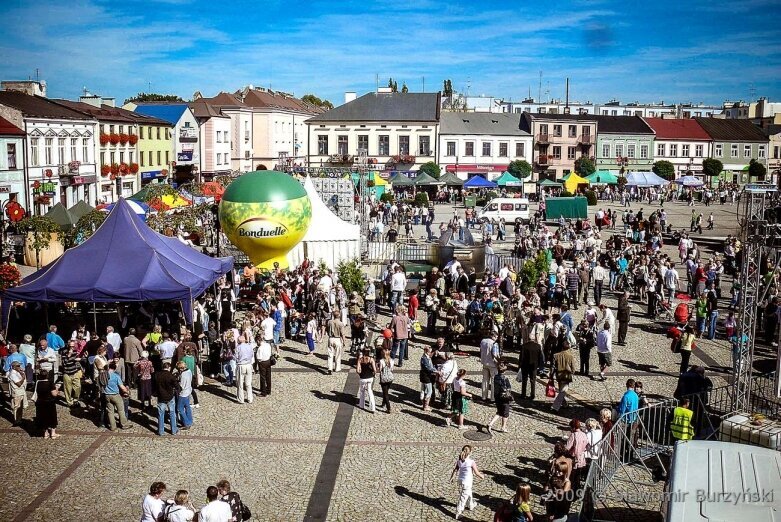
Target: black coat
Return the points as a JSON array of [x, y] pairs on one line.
[[530, 354]]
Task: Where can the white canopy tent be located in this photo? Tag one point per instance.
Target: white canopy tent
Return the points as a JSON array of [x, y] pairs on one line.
[[329, 237]]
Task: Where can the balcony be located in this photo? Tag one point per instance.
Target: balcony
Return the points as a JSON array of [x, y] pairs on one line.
[[586, 139], [542, 139], [543, 160], [188, 135]]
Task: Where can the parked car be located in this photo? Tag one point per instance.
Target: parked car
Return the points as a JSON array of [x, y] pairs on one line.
[[511, 209]]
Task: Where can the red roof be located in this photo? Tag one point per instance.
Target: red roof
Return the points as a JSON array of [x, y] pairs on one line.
[[677, 129], [9, 129]]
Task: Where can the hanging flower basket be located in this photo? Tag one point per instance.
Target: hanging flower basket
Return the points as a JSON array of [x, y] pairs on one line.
[[132, 139], [134, 168], [105, 139], [48, 172], [114, 138], [115, 169], [9, 276], [164, 172], [105, 170], [123, 168], [123, 139]]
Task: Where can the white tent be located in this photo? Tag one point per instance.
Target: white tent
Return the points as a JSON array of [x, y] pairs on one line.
[[329, 237], [645, 179]]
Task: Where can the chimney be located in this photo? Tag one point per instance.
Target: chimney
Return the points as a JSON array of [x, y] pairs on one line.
[[91, 99], [111, 102], [566, 102], [349, 96], [384, 90], [30, 87]]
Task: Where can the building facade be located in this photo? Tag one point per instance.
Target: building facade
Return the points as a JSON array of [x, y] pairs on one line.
[[215, 139], [12, 143], [735, 142], [481, 142], [559, 139], [774, 153], [61, 164], [624, 143], [682, 142], [241, 129], [398, 131]]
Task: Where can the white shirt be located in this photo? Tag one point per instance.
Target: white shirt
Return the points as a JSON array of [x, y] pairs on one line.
[[503, 272], [151, 508], [671, 278], [167, 349], [268, 325], [398, 282], [264, 352], [180, 514], [488, 351], [215, 511], [325, 283], [610, 318], [465, 470], [593, 449], [604, 341], [449, 371], [114, 340], [49, 356]]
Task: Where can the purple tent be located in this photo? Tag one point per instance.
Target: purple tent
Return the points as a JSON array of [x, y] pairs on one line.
[[124, 260], [479, 182]]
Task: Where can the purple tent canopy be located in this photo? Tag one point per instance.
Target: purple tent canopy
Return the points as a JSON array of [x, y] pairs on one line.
[[123, 261]]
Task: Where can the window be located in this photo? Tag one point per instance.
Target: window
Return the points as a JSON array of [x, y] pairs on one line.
[[159, 157], [61, 151], [734, 150], [34, 152], [673, 150], [469, 148], [506, 206], [341, 145], [167, 157], [451, 148], [761, 151], [383, 145], [48, 158], [556, 152], [719, 150], [141, 156], [151, 162], [619, 149], [503, 153], [544, 129], [571, 153], [121, 129], [404, 145], [605, 150], [557, 130], [158, 133], [219, 136], [225, 139], [520, 150], [685, 151], [102, 129], [130, 157], [573, 131], [746, 151], [219, 158], [586, 131], [698, 151], [11, 154], [322, 144], [486, 148], [74, 145], [103, 158], [363, 143], [246, 154], [114, 157], [660, 149], [111, 129], [121, 156], [643, 151], [776, 151], [424, 145], [630, 150]]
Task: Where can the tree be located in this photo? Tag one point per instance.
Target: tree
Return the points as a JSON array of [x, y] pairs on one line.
[[664, 169], [447, 89], [430, 168], [404, 88], [756, 170], [351, 276], [585, 166], [520, 168], [712, 167], [39, 231], [317, 102], [153, 97], [393, 85]]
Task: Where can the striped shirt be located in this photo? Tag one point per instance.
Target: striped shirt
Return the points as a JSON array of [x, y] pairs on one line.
[[70, 365]]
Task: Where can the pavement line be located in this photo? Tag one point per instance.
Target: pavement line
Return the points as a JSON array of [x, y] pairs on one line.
[[28, 510], [325, 483]]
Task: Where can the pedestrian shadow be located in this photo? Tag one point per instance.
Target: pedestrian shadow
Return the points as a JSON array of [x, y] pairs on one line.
[[306, 364], [438, 503], [223, 392], [639, 367], [428, 416], [335, 396]]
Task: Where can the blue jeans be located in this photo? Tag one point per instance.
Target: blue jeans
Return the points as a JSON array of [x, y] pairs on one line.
[[169, 407], [701, 324], [184, 410], [396, 299], [714, 316], [276, 337], [399, 348], [229, 368]]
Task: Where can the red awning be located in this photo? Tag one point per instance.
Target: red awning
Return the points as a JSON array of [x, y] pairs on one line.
[[462, 167]]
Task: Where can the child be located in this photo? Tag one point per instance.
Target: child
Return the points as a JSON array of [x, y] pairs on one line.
[[521, 510], [311, 332], [460, 399], [730, 325], [466, 468]]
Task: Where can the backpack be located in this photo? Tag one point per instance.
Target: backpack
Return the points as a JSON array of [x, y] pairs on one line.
[[102, 379], [386, 374], [168, 510]]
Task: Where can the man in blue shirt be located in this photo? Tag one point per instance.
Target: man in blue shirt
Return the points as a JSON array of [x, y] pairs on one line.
[[627, 409], [53, 339], [14, 355], [114, 400]]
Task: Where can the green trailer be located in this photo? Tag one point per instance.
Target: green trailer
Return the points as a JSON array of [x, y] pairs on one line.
[[574, 207]]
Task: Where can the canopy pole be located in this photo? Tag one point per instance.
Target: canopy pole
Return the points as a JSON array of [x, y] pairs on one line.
[[95, 317]]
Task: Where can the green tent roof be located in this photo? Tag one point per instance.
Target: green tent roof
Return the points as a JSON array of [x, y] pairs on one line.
[[62, 216], [549, 183], [401, 180], [82, 208], [602, 177], [508, 180], [451, 180], [424, 179]]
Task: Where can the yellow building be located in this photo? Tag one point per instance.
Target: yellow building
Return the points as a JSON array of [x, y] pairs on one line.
[[155, 149]]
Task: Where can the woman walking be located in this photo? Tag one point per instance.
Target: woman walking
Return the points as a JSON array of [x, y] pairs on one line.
[[311, 333], [502, 397], [460, 400], [228, 357], [45, 397], [366, 370], [466, 468], [687, 344], [386, 378], [144, 370], [521, 504]]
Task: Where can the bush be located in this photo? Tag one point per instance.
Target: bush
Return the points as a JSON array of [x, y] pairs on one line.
[[387, 197], [591, 197], [350, 276], [566, 194], [531, 271], [421, 199]]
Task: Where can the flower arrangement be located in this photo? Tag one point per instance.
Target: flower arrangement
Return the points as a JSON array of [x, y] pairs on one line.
[[74, 165], [115, 169], [123, 138], [114, 139], [104, 139], [132, 139], [133, 168], [123, 168], [105, 170], [164, 172], [9, 276], [48, 172]]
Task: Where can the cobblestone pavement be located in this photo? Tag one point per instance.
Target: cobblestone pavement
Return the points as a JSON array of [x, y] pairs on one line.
[[308, 453]]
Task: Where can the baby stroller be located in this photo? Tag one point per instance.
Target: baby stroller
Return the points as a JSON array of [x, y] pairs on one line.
[[663, 310]]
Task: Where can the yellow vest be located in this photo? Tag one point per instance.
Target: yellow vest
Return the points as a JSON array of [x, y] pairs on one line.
[[681, 425]]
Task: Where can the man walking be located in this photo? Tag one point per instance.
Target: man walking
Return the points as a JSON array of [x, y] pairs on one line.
[[114, 402], [335, 330], [399, 327], [489, 357], [132, 353], [166, 392], [624, 313], [531, 353], [604, 350], [245, 355], [600, 274], [72, 373]]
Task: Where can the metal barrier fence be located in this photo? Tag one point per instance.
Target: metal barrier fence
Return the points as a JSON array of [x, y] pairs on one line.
[[494, 262], [383, 251], [635, 452]]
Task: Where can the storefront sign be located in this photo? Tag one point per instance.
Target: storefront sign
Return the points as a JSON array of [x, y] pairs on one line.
[[152, 174], [83, 180], [185, 155], [5, 189], [47, 188]]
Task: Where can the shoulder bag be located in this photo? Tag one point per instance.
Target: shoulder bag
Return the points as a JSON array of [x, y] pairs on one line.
[[386, 374]]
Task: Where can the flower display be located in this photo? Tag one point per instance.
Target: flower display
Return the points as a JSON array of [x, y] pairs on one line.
[[133, 168], [9, 276], [115, 169], [132, 139], [105, 170], [123, 138], [114, 139], [104, 139], [123, 168]]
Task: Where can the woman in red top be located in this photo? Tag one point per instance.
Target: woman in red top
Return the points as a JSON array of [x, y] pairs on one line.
[[412, 309]]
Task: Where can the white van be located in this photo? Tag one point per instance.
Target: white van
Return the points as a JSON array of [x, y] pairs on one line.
[[717, 481], [511, 209]]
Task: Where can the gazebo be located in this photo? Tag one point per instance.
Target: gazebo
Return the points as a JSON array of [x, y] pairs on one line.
[[602, 177], [508, 180], [478, 182], [451, 180], [645, 179], [62, 216], [425, 180], [400, 180], [81, 208], [572, 183], [549, 183]]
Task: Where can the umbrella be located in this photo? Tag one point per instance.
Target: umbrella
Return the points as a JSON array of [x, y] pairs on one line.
[[136, 206], [62, 216], [689, 181]]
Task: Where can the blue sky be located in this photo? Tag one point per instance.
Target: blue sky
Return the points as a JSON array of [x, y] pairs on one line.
[[671, 50]]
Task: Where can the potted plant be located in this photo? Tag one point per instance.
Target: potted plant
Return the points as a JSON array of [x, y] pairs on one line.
[[132, 139], [114, 139], [40, 231], [105, 170], [134, 168], [123, 168], [9, 276], [115, 169], [104, 139], [123, 138], [73, 166]]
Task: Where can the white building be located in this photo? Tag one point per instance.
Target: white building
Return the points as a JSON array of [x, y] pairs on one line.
[[397, 130], [241, 129], [12, 163], [61, 164], [682, 142], [482, 142], [215, 139]]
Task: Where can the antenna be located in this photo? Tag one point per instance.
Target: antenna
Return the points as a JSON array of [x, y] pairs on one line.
[[539, 90], [424, 83], [752, 91], [37, 75], [468, 85]]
